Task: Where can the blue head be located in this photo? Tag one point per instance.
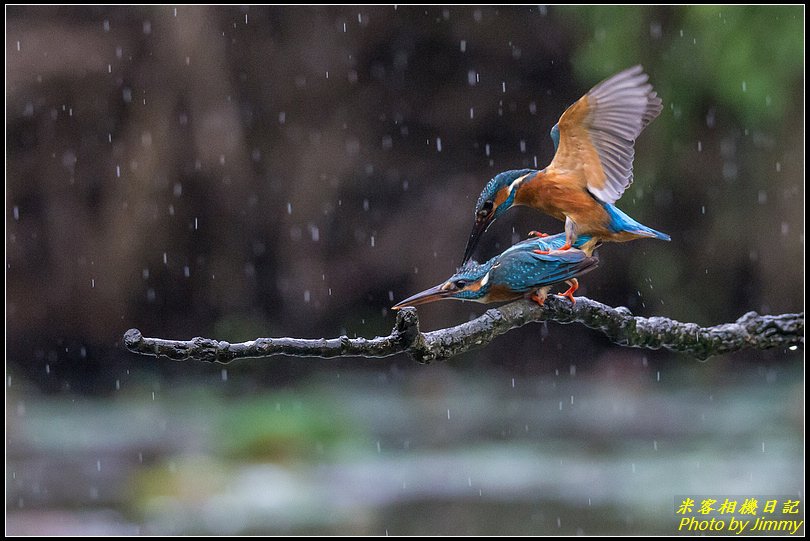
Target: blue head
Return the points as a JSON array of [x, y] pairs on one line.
[[497, 197], [517, 271], [470, 283]]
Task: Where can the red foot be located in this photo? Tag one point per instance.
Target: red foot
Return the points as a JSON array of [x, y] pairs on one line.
[[538, 299], [542, 252], [566, 246], [538, 234], [569, 293]]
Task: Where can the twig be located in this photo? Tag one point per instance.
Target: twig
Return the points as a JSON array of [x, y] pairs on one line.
[[618, 324]]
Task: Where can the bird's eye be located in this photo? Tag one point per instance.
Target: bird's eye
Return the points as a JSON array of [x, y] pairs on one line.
[[460, 283], [486, 208]]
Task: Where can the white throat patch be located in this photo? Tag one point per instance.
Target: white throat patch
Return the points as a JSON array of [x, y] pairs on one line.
[[485, 280], [516, 182]]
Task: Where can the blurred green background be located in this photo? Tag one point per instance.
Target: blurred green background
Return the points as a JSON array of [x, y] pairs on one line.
[[244, 172]]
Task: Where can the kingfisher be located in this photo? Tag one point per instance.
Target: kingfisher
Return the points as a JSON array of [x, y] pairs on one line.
[[529, 268], [591, 169]]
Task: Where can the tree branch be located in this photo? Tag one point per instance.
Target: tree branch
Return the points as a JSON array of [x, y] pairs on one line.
[[618, 324]]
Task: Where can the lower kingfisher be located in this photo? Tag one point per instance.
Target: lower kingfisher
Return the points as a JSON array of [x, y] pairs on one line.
[[529, 268], [591, 169]]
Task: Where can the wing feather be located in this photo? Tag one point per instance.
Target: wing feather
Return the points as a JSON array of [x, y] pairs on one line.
[[597, 133], [528, 271]]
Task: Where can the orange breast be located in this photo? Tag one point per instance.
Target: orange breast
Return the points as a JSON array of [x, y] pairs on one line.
[[560, 195], [500, 293]]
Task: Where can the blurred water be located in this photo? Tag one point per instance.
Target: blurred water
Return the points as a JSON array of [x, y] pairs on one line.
[[431, 451]]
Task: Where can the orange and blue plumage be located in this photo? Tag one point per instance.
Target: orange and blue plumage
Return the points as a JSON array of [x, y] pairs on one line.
[[517, 272], [591, 169]]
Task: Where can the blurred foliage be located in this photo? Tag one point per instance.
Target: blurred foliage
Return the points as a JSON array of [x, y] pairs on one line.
[[743, 58], [282, 426]]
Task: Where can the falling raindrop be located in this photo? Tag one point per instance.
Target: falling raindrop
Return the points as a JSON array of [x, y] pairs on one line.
[[462, 46], [224, 374], [438, 144], [16, 212]]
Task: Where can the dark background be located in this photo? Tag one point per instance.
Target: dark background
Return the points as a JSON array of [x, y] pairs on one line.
[[245, 172]]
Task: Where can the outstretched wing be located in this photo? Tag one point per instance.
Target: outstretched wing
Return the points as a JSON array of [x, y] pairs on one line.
[[596, 134]]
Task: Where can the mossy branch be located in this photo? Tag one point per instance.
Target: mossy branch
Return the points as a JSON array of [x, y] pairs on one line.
[[618, 324]]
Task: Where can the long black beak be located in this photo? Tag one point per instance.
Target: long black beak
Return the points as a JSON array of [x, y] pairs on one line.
[[436, 293], [478, 229]]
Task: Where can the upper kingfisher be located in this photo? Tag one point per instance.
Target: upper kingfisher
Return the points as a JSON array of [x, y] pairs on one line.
[[519, 271], [592, 167]]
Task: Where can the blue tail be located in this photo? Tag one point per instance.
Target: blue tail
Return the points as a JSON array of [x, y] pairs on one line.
[[619, 221]]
